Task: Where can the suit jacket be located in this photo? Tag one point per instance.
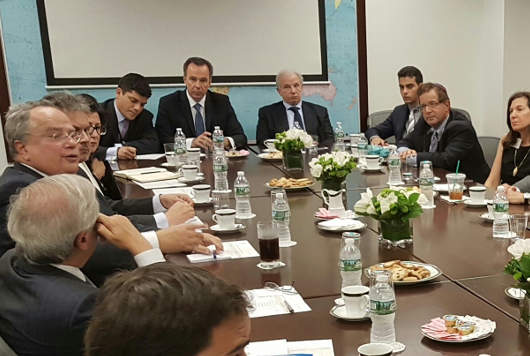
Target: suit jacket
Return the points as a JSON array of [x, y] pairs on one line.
[[394, 125], [45, 310], [174, 111], [140, 134], [272, 119], [458, 142], [107, 183]]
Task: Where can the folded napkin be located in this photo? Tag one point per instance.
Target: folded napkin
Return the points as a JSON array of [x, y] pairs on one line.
[[446, 198], [436, 328], [324, 213]]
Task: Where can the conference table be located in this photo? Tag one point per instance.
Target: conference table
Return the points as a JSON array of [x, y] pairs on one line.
[[452, 236]]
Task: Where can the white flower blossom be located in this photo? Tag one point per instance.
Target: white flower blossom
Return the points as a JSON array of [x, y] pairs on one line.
[[387, 201], [519, 247], [316, 170], [365, 203]]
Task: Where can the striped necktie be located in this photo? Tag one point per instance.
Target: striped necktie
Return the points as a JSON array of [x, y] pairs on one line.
[[199, 121]]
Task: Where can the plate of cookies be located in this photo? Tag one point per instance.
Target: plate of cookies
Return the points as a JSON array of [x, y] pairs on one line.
[[289, 183], [271, 156], [407, 272], [458, 329]]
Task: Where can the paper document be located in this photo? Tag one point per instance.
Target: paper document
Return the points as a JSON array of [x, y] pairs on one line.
[[266, 348], [151, 156], [266, 302], [148, 174], [135, 171], [170, 183], [232, 250], [183, 190], [283, 348]]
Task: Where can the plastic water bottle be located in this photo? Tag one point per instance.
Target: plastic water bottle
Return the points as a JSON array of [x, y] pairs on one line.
[[350, 265], [218, 139], [339, 137], [382, 308], [221, 192], [426, 182], [242, 195], [180, 146], [500, 214], [394, 168], [362, 149], [280, 218]]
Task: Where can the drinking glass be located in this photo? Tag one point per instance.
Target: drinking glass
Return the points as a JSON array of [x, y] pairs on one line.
[[269, 245], [518, 224], [455, 185], [171, 156], [193, 156]]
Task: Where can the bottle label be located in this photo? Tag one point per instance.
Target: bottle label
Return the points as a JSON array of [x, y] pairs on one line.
[[382, 308], [394, 162], [242, 190], [351, 265], [501, 207], [426, 181], [278, 215], [218, 139], [220, 168]]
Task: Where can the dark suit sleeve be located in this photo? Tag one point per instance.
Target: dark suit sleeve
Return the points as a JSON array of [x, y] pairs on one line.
[[384, 129], [233, 128], [147, 141], [263, 132], [325, 133], [166, 131]]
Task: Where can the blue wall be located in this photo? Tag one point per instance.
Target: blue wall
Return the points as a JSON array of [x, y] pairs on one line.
[[25, 65]]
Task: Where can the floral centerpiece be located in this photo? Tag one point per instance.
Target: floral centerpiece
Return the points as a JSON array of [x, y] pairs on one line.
[[393, 208], [291, 143], [332, 168], [519, 268]]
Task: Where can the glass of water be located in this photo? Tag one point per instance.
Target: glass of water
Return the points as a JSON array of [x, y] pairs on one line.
[[193, 155], [171, 156], [518, 223]]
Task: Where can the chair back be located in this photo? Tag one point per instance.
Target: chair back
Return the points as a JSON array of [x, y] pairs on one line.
[[378, 117], [463, 112], [489, 147]]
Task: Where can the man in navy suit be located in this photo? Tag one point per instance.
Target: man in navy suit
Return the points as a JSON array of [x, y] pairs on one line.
[[46, 299], [404, 117], [197, 111], [283, 115], [130, 128]]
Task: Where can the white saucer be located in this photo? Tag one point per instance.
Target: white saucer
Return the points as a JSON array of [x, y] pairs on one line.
[[236, 228], [196, 179], [208, 202], [395, 184], [290, 243], [266, 150], [475, 204], [486, 216], [336, 226], [251, 216], [376, 169], [339, 302], [280, 264], [515, 293], [166, 164], [339, 312]]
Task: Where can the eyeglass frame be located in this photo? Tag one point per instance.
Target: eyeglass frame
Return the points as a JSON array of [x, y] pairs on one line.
[[74, 135], [101, 130]]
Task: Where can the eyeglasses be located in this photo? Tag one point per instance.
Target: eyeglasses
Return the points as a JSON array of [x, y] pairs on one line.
[[100, 130], [430, 105], [75, 136]]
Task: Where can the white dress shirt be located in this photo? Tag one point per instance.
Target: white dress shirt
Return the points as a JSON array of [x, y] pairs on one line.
[[290, 114]]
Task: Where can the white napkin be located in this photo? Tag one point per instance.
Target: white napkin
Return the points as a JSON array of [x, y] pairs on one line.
[[339, 223]]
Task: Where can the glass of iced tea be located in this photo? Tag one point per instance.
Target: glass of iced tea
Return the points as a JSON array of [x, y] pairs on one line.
[[269, 246], [455, 185]]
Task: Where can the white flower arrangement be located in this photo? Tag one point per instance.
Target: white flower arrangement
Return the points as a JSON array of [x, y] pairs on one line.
[[293, 140], [519, 247], [392, 203], [519, 265], [335, 165]]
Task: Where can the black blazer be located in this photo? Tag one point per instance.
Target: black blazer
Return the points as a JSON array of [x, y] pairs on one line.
[[272, 119], [141, 133], [107, 183], [394, 125], [174, 111], [458, 142], [45, 310]]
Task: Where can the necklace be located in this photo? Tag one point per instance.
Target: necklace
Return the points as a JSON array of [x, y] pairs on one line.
[[516, 169]]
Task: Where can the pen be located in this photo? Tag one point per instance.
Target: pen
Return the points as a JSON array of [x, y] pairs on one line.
[[289, 307], [150, 172]]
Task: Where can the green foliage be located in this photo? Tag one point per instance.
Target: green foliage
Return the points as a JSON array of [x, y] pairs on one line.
[[286, 145], [404, 208], [520, 271]]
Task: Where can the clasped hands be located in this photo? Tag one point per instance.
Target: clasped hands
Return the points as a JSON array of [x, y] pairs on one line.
[[205, 142]]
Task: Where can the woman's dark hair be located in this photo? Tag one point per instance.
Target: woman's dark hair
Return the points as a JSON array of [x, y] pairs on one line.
[[512, 136]]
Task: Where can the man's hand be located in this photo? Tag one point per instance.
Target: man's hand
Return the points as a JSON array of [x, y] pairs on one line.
[[406, 154], [210, 239], [120, 232], [183, 238], [203, 141], [378, 141], [126, 152], [179, 213], [98, 168], [167, 200]]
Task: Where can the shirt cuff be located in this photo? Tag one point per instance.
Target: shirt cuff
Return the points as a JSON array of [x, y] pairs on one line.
[[149, 257], [161, 220], [152, 238], [373, 136], [111, 154], [232, 143], [402, 149], [188, 142], [157, 205]]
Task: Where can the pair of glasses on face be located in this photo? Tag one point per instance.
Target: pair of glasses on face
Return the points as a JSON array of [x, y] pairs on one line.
[[74, 136], [100, 130]]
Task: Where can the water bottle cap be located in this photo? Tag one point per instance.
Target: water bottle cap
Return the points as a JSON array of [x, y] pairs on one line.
[[240, 173], [217, 127], [500, 188]]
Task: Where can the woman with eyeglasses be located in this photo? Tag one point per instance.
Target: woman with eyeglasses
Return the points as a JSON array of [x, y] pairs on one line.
[[512, 162]]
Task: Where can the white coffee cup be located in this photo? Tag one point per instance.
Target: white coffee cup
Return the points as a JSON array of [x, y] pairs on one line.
[[270, 144], [375, 349], [189, 171], [372, 161], [225, 218], [356, 300], [477, 193], [201, 193]]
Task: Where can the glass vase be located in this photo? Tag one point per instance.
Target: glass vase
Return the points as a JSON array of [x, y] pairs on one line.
[[524, 308], [293, 161], [396, 232]]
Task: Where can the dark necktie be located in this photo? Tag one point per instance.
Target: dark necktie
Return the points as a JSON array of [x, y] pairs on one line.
[[199, 121], [434, 142], [297, 117]]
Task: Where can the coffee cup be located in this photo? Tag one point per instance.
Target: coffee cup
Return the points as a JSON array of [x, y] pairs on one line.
[[477, 193], [201, 193], [356, 301], [372, 161], [225, 218], [270, 144], [375, 349], [189, 171]]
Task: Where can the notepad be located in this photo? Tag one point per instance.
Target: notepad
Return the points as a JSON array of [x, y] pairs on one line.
[[268, 301], [282, 347], [151, 156], [232, 250], [145, 175], [170, 183]]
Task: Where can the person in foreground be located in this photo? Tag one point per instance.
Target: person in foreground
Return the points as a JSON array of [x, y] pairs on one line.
[[166, 309], [283, 115], [46, 299], [198, 110], [403, 118], [511, 166], [444, 137]]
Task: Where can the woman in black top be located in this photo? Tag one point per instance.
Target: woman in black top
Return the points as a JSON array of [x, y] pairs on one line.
[[512, 162]]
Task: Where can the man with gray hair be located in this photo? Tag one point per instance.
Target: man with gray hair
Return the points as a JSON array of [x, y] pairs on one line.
[[46, 299], [293, 112]]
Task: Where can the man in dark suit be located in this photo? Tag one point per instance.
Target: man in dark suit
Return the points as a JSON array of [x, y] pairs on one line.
[[130, 128], [46, 299], [404, 117], [444, 136], [283, 115], [197, 111]]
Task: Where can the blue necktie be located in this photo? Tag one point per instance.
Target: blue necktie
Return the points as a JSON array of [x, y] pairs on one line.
[[434, 142], [297, 117], [199, 121]]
